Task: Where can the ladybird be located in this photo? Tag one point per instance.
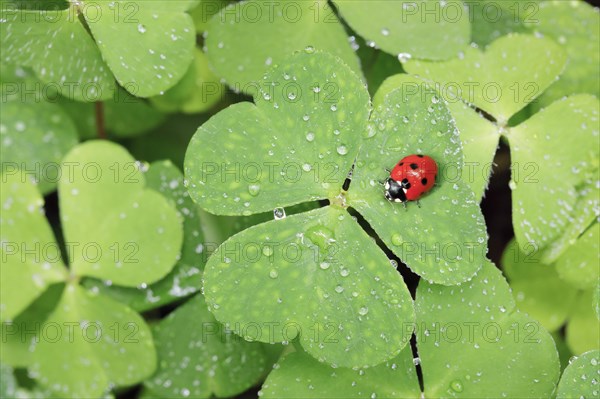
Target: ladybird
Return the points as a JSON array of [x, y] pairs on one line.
[[410, 178]]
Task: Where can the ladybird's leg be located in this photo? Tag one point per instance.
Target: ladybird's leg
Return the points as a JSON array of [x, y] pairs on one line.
[[418, 203], [404, 205]]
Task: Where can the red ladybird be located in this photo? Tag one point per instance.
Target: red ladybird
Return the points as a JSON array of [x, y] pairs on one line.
[[412, 177]]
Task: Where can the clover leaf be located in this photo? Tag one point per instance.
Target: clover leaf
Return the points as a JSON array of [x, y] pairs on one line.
[[200, 358], [493, 81], [580, 378], [185, 278], [40, 40], [579, 264], [546, 220], [24, 228], [103, 343], [412, 120], [146, 47], [118, 205], [583, 328], [247, 37], [575, 25], [299, 375], [110, 343], [535, 284], [463, 327], [410, 28], [542, 219], [34, 136], [329, 275]]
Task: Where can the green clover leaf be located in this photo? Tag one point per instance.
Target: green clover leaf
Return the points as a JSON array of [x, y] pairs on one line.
[[311, 129], [34, 137], [24, 228], [463, 327], [579, 264], [146, 47], [493, 81], [301, 376], [554, 220], [583, 327], [200, 358], [306, 130], [575, 25], [410, 28], [541, 219], [580, 378], [407, 123], [41, 41], [245, 38], [111, 345], [108, 180], [535, 284], [355, 305], [186, 277]]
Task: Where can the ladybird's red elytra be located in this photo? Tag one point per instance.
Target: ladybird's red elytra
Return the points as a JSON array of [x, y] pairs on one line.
[[410, 178]]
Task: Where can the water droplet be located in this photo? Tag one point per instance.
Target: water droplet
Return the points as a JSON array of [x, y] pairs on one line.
[[320, 236], [339, 289], [141, 28], [310, 136], [267, 250], [456, 386], [254, 189], [344, 272], [279, 213], [363, 311], [396, 239], [342, 149], [273, 273], [324, 265], [512, 184], [333, 108], [403, 57], [309, 49], [385, 32]]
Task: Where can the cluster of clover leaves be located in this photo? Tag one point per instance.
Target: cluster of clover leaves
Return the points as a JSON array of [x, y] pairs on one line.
[[315, 278]]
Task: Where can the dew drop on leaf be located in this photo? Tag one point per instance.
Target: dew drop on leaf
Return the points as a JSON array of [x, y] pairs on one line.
[[254, 189], [456, 386], [342, 150], [279, 213]]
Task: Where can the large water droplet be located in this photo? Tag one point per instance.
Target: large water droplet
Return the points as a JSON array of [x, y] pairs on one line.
[[363, 311], [254, 189], [396, 239], [279, 213], [342, 149], [320, 236], [456, 386], [273, 273]]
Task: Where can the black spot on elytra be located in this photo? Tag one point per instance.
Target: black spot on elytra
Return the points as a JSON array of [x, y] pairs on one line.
[[405, 184], [420, 156], [424, 181], [414, 166], [401, 163]]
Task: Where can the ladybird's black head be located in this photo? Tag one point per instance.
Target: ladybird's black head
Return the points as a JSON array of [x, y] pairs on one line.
[[394, 191]]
